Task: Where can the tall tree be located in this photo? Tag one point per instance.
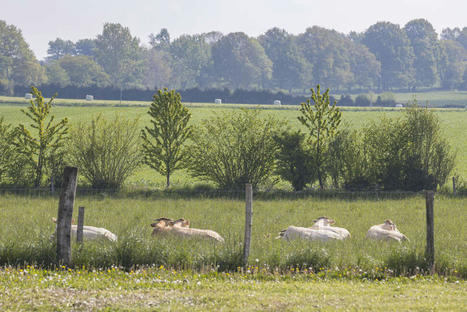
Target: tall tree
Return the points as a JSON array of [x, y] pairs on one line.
[[163, 141], [59, 48], [452, 64], [290, 69], [47, 144], [392, 48], [240, 61], [118, 52], [161, 41], [427, 50], [57, 75], [157, 69], [322, 120], [18, 65], [83, 71], [190, 54], [328, 52], [85, 47]]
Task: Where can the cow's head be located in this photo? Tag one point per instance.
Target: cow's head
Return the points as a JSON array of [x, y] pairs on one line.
[[389, 224], [161, 222]]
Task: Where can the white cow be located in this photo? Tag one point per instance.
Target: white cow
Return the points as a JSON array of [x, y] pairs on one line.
[[386, 231], [181, 227], [90, 232], [321, 231]]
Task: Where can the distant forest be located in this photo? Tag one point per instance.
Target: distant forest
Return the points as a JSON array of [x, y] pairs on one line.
[[386, 57]]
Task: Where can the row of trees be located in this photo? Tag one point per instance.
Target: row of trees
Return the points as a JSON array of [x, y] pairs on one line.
[[230, 149], [385, 56]]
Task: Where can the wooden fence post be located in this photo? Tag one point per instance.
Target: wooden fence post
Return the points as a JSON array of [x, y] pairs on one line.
[[248, 222], [79, 230], [430, 237], [65, 212], [454, 185]]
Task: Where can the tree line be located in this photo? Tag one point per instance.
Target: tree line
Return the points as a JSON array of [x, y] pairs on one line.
[[230, 149], [384, 57]]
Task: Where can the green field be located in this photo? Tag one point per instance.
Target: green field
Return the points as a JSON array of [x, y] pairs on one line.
[[166, 290], [453, 123], [141, 272], [25, 228]]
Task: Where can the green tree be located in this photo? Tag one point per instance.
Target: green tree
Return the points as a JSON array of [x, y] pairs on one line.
[[85, 47], [49, 141], [83, 71], [392, 48], [59, 48], [452, 64], [234, 148], [107, 152], [322, 120], [163, 141], [157, 69], [290, 69], [294, 159], [18, 65], [190, 55], [427, 50], [57, 75], [161, 41], [118, 52], [240, 62], [329, 53]]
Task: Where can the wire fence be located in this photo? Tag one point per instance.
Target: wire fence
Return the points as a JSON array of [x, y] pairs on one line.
[[212, 193]]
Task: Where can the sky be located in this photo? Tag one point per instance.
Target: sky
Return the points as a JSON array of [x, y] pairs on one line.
[[42, 21]]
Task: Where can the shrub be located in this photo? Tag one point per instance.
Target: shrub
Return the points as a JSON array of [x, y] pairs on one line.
[[347, 165], [6, 149], [408, 153], [294, 160], [232, 149], [106, 152]]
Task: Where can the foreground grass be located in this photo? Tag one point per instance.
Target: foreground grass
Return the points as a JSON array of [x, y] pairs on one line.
[[160, 289]]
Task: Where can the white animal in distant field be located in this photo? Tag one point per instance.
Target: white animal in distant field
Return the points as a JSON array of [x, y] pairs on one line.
[[386, 231], [321, 231], [182, 228], [91, 232]]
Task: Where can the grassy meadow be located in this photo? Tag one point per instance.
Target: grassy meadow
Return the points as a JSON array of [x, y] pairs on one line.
[[142, 272], [26, 226]]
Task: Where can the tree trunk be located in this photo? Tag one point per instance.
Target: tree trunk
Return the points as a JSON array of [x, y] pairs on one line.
[[168, 178]]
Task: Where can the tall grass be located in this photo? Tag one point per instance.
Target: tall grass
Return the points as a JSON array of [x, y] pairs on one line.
[[25, 228]]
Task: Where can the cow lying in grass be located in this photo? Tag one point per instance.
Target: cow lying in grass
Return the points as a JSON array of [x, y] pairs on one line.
[[320, 231], [90, 232], [181, 227], [386, 231]]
